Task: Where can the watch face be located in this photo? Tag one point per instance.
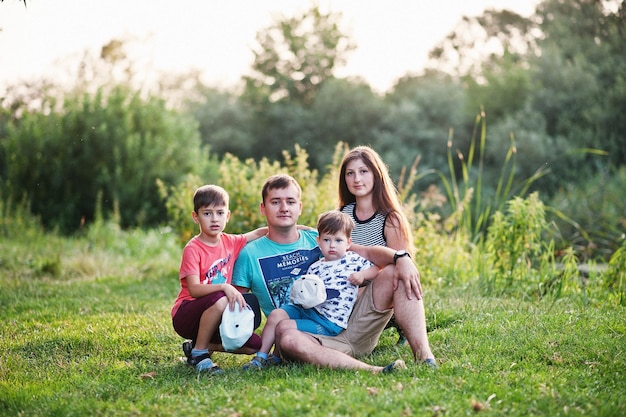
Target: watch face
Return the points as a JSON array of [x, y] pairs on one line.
[[399, 254]]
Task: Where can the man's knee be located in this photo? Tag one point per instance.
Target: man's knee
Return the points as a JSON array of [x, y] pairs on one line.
[[280, 327], [286, 340]]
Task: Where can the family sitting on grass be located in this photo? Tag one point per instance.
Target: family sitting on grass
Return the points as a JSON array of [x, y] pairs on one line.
[[361, 252]]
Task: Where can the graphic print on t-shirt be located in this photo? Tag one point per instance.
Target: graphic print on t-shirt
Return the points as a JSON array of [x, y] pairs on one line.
[[280, 271], [217, 271]]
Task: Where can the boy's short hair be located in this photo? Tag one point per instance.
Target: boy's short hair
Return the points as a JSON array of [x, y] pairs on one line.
[[333, 222], [209, 195], [279, 181]]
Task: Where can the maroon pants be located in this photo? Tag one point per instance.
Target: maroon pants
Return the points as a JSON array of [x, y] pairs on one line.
[[186, 321]]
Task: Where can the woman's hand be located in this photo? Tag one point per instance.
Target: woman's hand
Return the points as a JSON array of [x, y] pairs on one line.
[[407, 273]]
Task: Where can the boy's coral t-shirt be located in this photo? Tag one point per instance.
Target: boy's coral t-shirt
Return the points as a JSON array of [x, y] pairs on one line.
[[213, 264]]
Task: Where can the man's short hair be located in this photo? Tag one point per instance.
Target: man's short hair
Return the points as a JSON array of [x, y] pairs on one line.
[[209, 195], [279, 181]]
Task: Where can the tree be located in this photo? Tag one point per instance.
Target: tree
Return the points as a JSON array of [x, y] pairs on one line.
[[225, 122], [295, 56], [484, 39], [342, 111], [584, 53], [567, 62], [421, 111]]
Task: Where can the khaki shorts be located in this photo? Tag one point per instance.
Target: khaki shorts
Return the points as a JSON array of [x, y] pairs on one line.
[[364, 327]]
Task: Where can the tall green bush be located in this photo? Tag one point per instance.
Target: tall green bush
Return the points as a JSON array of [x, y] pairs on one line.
[[114, 144], [517, 256], [597, 208], [514, 246]]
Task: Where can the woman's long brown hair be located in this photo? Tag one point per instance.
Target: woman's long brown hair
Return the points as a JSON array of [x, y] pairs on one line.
[[384, 193]]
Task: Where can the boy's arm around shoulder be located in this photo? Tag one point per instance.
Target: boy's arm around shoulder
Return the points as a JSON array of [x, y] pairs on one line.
[[256, 234]]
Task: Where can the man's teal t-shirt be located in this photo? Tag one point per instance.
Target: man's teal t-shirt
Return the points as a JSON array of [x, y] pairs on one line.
[[269, 268]]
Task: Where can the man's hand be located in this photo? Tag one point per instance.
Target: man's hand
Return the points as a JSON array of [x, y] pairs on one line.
[[407, 273]]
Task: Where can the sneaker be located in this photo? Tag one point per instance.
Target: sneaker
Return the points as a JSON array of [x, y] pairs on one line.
[[203, 363], [274, 360], [431, 363], [394, 366], [187, 347], [259, 363]]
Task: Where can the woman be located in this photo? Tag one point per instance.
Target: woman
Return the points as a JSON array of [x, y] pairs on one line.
[[367, 194]]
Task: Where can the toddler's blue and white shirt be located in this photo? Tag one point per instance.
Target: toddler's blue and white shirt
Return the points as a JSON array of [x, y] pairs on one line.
[[340, 293]]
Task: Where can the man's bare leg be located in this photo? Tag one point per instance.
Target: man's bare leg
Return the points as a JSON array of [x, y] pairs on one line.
[[303, 347]]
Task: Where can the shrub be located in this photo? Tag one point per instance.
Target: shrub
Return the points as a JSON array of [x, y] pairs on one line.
[[514, 247], [615, 276], [597, 209], [114, 145], [243, 180], [442, 258]]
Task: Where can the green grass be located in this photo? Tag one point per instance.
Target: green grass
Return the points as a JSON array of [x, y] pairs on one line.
[[85, 330]]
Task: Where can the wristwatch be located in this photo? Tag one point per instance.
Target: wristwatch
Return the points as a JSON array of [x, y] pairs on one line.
[[400, 254]]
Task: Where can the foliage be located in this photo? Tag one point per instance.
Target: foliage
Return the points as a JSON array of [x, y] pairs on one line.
[[179, 205], [115, 146], [327, 122], [552, 91], [443, 259], [473, 199], [483, 40], [537, 60], [514, 247], [615, 276], [243, 180], [225, 123], [420, 111], [295, 56], [598, 207]]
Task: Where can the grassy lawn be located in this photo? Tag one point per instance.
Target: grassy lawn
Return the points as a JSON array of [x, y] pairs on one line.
[[85, 330]]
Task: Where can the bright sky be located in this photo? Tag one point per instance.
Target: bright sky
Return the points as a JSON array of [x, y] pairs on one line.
[[393, 37]]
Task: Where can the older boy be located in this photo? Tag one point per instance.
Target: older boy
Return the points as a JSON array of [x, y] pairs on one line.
[[205, 275]]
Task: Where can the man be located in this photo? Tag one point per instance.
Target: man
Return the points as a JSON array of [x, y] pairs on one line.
[[268, 265]]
